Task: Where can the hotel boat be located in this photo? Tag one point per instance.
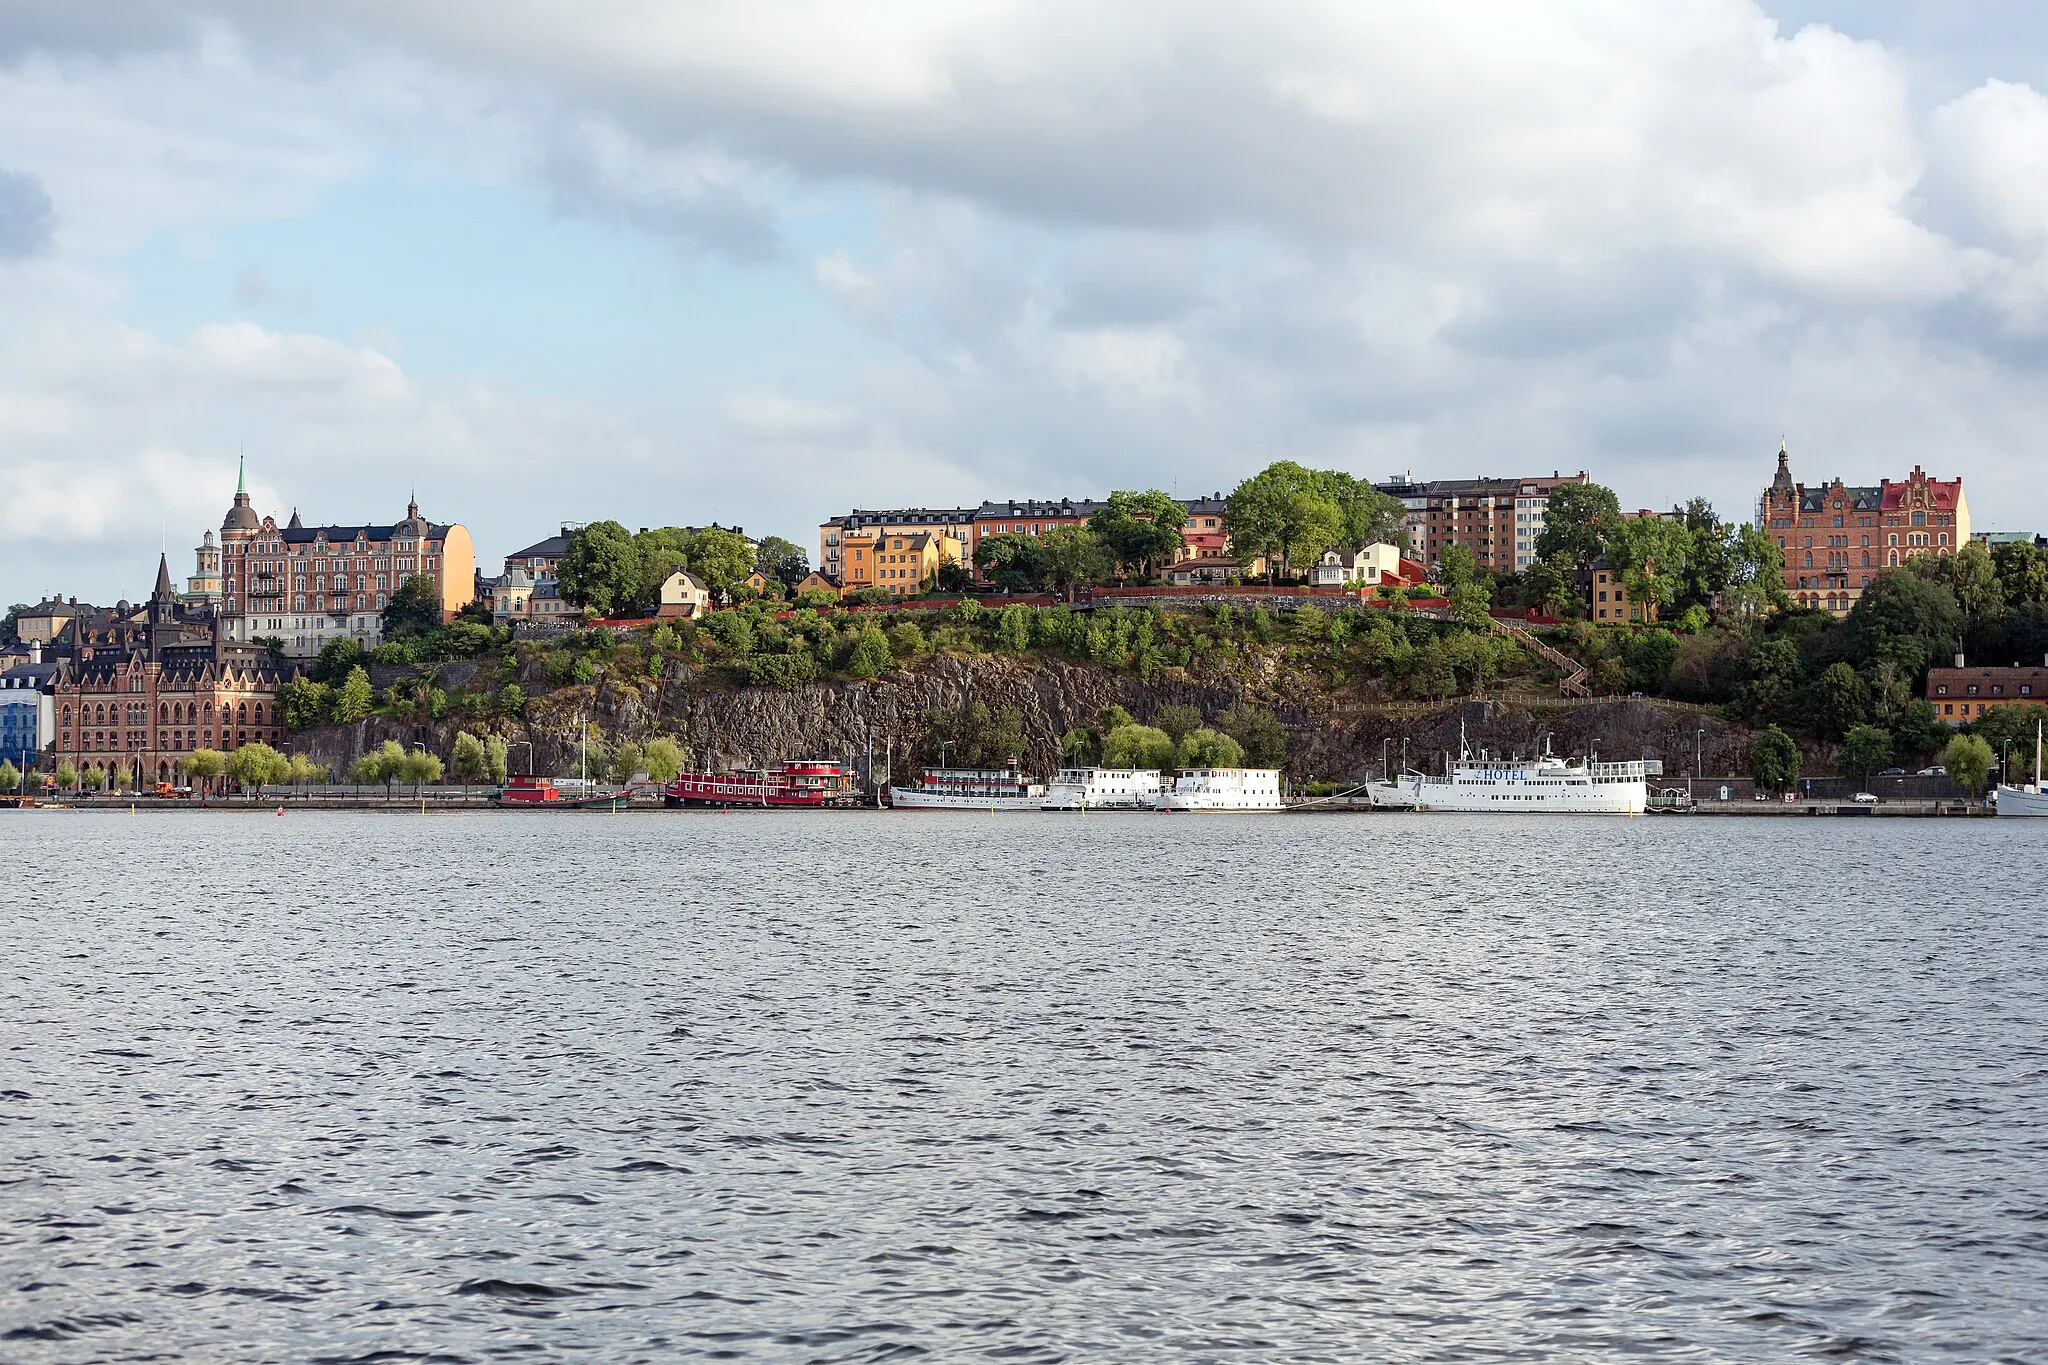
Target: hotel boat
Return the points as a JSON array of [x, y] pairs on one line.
[[990, 789], [1540, 786], [1102, 789], [1223, 789], [804, 783], [541, 793], [2024, 800]]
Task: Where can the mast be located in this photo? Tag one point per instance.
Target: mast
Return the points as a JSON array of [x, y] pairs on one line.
[[2037, 756]]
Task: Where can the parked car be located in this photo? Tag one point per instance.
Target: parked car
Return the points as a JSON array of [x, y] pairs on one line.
[[1865, 799], [1936, 771], [1891, 772]]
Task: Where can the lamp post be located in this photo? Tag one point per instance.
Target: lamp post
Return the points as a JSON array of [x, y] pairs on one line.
[[1699, 749], [527, 745]]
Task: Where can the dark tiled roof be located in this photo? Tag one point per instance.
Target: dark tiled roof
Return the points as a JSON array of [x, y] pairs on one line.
[[1065, 507], [1859, 499], [554, 547], [334, 535]]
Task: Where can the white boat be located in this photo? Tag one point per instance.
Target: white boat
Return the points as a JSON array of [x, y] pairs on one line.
[[2027, 799], [1541, 786], [990, 789], [1102, 789], [1224, 789]]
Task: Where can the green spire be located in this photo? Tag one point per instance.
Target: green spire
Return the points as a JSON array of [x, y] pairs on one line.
[[241, 471]]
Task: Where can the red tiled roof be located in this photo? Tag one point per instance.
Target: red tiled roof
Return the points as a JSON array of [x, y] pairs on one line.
[[1940, 496]]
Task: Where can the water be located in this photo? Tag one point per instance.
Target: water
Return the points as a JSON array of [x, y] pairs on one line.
[[865, 1087]]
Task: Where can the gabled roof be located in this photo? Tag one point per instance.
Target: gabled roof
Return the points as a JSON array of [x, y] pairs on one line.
[[336, 535], [554, 547], [1860, 499]]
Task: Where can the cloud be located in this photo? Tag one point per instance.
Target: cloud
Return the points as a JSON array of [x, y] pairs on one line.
[[27, 218]]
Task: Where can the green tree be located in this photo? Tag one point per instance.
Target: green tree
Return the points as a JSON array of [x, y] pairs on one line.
[[733, 630], [1653, 556], [625, 760], [1576, 523], [1209, 749], [1774, 761], [94, 778], [512, 700], [1013, 628], [1259, 734], [204, 767], [337, 657], [663, 759], [354, 700], [603, 569], [870, 657], [1018, 563], [1840, 700], [255, 766], [2022, 573], [10, 776], [414, 610], [2010, 729], [1864, 748], [303, 703], [1112, 717], [1142, 530], [1285, 512], [417, 769], [1919, 730], [496, 767], [467, 762], [1900, 605], [1968, 760], [67, 775], [1179, 722], [1974, 580], [1081, 747], [722, 558], [1137, 746], [1073, 557], [303, 771], [782, 560], [1455, 568]]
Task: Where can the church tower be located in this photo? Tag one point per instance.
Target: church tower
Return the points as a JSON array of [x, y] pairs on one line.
[[204, 584]]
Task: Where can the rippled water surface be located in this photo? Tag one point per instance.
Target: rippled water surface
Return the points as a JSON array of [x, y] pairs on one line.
[[853, 1087]]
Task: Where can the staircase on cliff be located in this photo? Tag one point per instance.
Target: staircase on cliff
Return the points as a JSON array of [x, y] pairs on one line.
[[1573, 684]]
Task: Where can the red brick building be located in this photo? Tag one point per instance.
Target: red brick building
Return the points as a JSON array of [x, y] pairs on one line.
[[1836, 537]]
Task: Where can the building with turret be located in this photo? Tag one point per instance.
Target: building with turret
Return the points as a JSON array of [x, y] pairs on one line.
[[1836, 537], [304, 586]]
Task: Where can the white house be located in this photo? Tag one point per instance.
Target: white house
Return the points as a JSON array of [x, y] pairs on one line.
[[1369, 566], [683, 595]]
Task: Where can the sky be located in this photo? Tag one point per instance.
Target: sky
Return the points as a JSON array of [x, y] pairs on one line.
[[673, 263]]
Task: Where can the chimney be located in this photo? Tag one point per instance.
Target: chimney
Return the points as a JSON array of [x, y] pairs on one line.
[[1959, 662], [35, 651]]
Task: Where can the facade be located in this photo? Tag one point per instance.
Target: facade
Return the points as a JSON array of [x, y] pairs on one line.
[[45, 621], [543, 558], [1835, 538], [1369, 567], [1962, 694], [1610, 601], [683, 597], [1498, 520], [308, 585], [902, 562], [28, 714], [957, 522]]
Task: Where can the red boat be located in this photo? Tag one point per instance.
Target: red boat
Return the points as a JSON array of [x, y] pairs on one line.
[[804, 782], [541, 793]]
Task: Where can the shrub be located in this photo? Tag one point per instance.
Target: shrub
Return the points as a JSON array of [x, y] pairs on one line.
[[785, 670], [1209, 749], [870, 657]]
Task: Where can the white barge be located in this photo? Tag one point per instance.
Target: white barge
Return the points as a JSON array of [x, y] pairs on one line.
[[1223, 789], [1102, 789], [975, 789], [1541, 786]]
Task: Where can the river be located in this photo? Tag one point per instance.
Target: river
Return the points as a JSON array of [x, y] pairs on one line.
[[863, 1086]]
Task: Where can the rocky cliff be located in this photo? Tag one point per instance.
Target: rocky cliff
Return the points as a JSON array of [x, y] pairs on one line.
[[1331, 735]]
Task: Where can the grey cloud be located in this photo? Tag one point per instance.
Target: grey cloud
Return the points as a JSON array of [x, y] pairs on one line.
[[720, 217], [93, 28], [27, 218]]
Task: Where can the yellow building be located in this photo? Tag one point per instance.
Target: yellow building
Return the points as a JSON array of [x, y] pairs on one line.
[[905, 563], [1611, 602]]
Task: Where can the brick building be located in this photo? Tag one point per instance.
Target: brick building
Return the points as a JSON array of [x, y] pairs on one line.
[[1498, 520], [138, 689], [1962, 694], [309, 585], [1836, 537]]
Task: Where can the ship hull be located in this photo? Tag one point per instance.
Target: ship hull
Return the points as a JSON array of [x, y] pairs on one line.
[[1602, 798], [909, 798], [2019, 801]]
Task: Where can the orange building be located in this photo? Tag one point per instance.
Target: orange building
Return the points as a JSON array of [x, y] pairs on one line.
[[1963, 694], [905, 563]]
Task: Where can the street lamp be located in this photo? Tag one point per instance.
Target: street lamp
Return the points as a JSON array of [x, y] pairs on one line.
[[1699, 749], [526, 744]]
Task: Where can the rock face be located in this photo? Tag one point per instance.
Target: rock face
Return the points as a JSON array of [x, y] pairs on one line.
[[1329, 737]]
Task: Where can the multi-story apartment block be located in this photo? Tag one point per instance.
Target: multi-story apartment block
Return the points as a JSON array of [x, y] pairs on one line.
[[307, 585], [957, 522], [1498, 520], [902, 562], [1835, 538]]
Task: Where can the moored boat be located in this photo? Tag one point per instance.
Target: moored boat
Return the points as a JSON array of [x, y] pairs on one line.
[[1223, 789], [1540, 786], [526, 792], [1102, 789], [975, 789], [2024, 799], [805, 783]]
